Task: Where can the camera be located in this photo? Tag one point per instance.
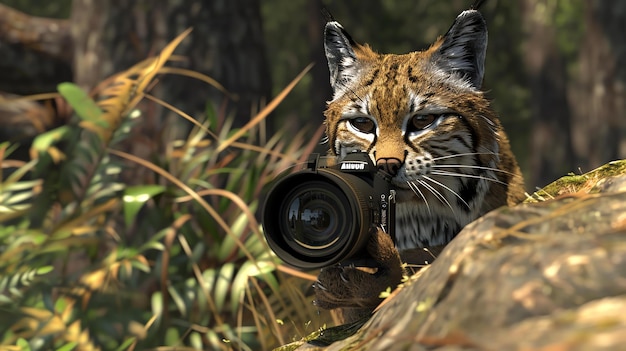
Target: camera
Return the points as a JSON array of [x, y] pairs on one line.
[[326, 212]]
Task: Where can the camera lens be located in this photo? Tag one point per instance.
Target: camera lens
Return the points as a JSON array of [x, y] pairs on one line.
[[326, 213], [315, 218]]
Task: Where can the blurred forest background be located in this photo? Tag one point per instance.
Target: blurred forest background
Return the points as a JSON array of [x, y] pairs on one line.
[[556, 69], [135, 229]]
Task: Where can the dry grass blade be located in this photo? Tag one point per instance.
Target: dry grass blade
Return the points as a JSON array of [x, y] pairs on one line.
[[263, 150], [34, 97], [145, 330], [272, 316], [235, 144], [181, 113], [234, 198], [128, 87], [266, 111], [199, 76], [257, 317], [296, 273]]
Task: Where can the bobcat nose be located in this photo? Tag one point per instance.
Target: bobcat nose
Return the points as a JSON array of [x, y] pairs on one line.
[[390, 165]]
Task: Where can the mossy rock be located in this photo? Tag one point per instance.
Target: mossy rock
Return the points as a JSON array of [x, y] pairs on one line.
[[574, 183], [547, 274]]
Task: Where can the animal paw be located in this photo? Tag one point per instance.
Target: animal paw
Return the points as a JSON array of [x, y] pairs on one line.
[[356, 288]]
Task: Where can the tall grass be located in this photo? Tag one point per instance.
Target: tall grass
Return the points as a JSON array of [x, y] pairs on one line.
[[106, 250]]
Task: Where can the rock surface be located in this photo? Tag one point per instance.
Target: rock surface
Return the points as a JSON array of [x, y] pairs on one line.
[[547, 275]]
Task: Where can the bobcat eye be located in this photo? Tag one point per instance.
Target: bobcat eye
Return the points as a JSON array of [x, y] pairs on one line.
[[420, 122], [363, 124]]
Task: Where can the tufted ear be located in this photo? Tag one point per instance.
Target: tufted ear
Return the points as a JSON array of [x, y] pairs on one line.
[[463, 47], [342, 61]]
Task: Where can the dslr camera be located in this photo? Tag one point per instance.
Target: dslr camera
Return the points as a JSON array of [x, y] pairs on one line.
[[326, 212]]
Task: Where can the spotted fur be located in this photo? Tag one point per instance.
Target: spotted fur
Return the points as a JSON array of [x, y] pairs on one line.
[[422, 117]]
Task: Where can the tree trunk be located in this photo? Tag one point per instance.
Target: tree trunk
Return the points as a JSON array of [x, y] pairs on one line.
[[36, 52], [36, 55], [320, 83], [598, 96], [45, 35], [551, 146], [226, 44]]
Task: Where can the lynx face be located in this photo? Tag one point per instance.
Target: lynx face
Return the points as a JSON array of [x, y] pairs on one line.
[[422, 118]]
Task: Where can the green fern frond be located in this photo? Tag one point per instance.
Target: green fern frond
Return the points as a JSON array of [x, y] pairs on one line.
[[16, 190], [11, 285]]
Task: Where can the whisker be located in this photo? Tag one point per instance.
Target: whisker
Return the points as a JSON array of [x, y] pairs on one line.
[[447, 188], [429, 252], [416, 266], [492, 125], [476, 167], [461, 175], [417, 191], [489, 151], [437, 194], [463, 154]]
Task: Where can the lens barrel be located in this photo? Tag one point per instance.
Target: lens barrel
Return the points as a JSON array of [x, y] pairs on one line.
[[315, 218]]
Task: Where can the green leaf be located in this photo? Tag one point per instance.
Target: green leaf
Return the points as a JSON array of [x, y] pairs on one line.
[[265, 269], [43, 141], [198, 252], [152, 245], [238, 287], [85, 107], [222, 285], [261, 268], [126, 344], [211, 116], [67, 347], [255, 246], [229, 245], [8, 148], [44, 270], [19, 185], [157, 303], [178, 300], [195, 340], [23, 344], [135, 197], [172, 337], [141, 265], [4, 300], [208, 277], [214, 339]]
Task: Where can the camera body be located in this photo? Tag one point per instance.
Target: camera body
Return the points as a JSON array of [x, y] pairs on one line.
[[325, 213]]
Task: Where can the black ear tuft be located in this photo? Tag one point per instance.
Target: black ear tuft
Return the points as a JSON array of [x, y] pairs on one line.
[[477, 4], [464, 46], [327, 15], [342, 61]]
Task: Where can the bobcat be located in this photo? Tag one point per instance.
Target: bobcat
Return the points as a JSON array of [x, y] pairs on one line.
[[423, 120]]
